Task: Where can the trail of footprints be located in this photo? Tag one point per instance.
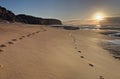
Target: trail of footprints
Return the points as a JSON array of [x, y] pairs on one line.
[[76, 48], [81, 56], [2, 46], [31, 34]]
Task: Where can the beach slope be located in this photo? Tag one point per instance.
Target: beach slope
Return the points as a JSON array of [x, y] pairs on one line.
[[42, 52]]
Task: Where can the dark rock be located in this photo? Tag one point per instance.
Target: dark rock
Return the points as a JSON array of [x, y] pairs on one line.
[[51, 22], [66, 27], [6, 14], [28, 19], [71, 28], [9, 16]]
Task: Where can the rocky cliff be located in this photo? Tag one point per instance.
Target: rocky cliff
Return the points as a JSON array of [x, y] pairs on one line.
[[7, 15], [28, 19]]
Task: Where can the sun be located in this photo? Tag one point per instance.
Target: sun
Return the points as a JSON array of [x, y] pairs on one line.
[[99, 16]]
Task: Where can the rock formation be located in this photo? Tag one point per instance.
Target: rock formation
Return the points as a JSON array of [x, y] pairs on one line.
[[6, 15], [9, 16], [28, 19]]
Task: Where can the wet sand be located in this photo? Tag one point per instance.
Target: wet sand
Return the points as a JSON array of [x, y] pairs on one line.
[[42, 52], [113, 43]]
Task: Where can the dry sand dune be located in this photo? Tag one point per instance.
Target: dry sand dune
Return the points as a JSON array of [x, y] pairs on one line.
[[41, 52]]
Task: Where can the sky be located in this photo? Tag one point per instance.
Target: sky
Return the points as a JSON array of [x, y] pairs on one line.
[[63, 9]]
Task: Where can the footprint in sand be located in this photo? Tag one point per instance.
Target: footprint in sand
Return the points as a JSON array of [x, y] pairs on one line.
[[20, 38], [28, 35], [75, 47], [33, 33], [101, 77], [79, 51], [14, 39], [1, 66], [1, 50], [75, 44], [23, 36], [74, 40], [37, 31], [44, 30], [91, 65], [10, 43], [3, 45], [82, 56]]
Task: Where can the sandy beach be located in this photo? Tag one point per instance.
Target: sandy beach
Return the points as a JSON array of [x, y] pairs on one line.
[[43, 52]]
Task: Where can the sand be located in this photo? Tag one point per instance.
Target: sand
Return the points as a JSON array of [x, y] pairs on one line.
[[42, 52]]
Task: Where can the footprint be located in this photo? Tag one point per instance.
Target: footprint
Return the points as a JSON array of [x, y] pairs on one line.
[[1, 50], [1, 66], [33, 33], [37, 31], [91, 65], [23, 36], [82, 56], [28, 35], [44, 30], [75, 47], [14, 39], [79, 51], [101, 77], [10, 43], [3, 45], [20, 38], [74, 40]]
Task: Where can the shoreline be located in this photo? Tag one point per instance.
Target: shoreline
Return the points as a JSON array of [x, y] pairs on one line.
[[113, 43]]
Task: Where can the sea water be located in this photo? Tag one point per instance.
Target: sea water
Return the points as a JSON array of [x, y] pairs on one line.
[[117, 38], [116, 41]]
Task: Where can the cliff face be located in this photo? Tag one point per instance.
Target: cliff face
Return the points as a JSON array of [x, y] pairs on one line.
[[51, 21], [36, 20], [6, 14], [27, 19]]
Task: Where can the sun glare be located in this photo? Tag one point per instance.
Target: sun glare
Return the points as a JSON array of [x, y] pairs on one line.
[[99, 17]]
